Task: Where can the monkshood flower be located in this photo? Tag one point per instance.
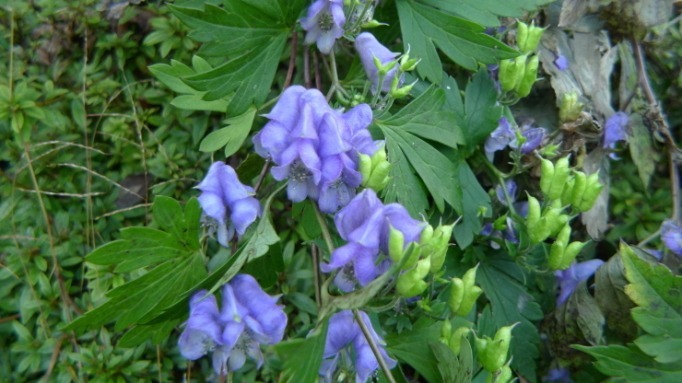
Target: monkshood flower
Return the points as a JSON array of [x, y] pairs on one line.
[[533, 138], [369, 48], [499, 138], [615, 129], [570, 278], [365, 224], [324, 24], [345, 334], [671, 234], [248, 319], [227, 201], [316, 147], [558, 375], [561, 62], [512, 191]]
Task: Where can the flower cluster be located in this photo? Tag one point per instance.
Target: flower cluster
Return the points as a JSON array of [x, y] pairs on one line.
[[248, 318], [324, 24], [344, 333], [505, 135], [227, 202], [316, 147], [365, 223]]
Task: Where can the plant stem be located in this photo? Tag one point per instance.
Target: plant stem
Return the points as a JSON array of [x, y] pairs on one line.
[[373, 346], [325, 230], [336, 85]]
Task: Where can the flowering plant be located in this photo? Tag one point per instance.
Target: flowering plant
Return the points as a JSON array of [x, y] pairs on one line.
[[387, 259]]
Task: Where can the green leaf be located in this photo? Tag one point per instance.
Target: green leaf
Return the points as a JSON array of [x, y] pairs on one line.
[[232, 136], [642, 150], [481, 113], [425, 117], [656, 292], [488, 12], [252, 34], [264, 235], [404, 186], [413, 348], [609, 291], [502, 280], [173, 254], [190, 99], [631, 365], [454, 368], [424, 28], [474, 198], [303, 357]]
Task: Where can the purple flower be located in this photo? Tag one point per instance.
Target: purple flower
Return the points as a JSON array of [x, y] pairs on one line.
[[368, 48], [365, 224], [227, 201], [512, 190], [316, 147], [249, 318], [671, 234], [343, 334], [324, 24], [615, 129], [559, 375], [570, 278], [499, 138], [533, 139], [561, 62]]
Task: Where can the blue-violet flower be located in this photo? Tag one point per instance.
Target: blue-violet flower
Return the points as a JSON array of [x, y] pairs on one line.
[[324, 24], [570, 278], [671, 234], [368, 48], [227, 202], [249, 318], [343, 334], [615, 129]]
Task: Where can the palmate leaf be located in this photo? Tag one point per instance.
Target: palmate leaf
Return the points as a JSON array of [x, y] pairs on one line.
[[423, 117], [413, 348], [502, 281], [487, 12], [629, 364], [424, 28], [303, 357], [657, 294], [252, 35], [171, 253]]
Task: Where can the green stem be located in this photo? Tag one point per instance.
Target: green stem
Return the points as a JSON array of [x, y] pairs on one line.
[[325, 230], [373, 346], [336, 85]]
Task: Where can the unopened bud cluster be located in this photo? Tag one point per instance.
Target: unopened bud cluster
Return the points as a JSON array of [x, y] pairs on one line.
[[374, 169], [561, 187], [420, 259], [518, 75], [464, 293], [492, 353]]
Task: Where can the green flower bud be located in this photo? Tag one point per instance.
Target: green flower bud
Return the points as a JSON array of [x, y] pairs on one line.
[[410, 283], [404, 91], [426, 235], [567, 194], [464, 293], [396, 241], [456, 294], [532, 38], [592, 191], [455, 342], [498, 349], [553, 220], [365, 167], [562, 172], [379, 176], [530, 75], [579, 187], [570, 253], [446, 331], [536, 232], [556, 252], [546, 175], [507, 75], [503, 375], [372, 24], [383, 69], [406, 63], [521, 35], [570, 107], [441, 237]]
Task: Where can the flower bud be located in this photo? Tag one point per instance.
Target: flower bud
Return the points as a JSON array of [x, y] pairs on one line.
[[556, 252], [579, 186], [410, 283], [511, 72], [455, 341], [396, 241], [503, 375], [592, 191], [521, 35], [383, 69], [530, 75], [562, 171], [464, 293], [570, 253], [446, 331], [372, 24], [546, 175], [441, 240], [536, 233], [553, 220], [493, 352], [377, 177], [364, 167], [570, 107], [401, 92], [528, 42]]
